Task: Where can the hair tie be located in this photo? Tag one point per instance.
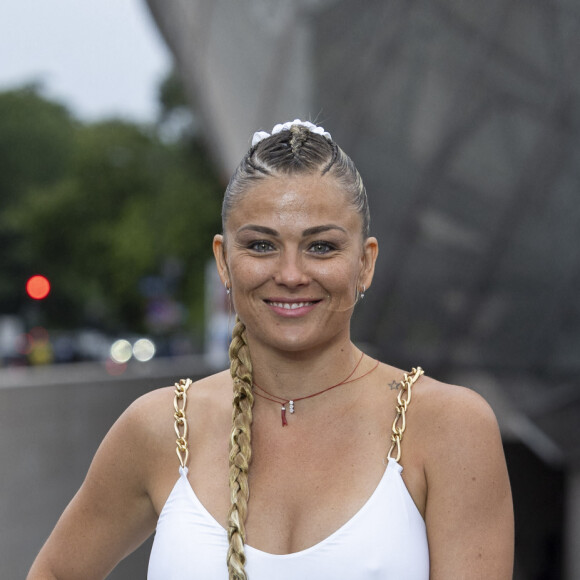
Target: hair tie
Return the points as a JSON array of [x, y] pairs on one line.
[[261, 135]]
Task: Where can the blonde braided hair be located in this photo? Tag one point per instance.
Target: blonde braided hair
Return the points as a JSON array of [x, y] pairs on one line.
[[240, 449], [296, 151]]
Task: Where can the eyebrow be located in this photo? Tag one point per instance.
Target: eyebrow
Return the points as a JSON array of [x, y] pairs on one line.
[[307, 232]]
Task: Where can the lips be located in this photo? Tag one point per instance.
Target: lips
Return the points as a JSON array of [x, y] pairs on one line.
[[291, 305]]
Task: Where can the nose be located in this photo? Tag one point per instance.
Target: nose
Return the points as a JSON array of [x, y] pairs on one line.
[[290, 271]]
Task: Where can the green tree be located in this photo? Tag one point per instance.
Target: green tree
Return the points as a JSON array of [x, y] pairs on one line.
[[120, 204], [36, 141]]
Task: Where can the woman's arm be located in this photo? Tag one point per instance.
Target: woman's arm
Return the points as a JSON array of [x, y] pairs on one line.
[[469, 512], [111, 514]]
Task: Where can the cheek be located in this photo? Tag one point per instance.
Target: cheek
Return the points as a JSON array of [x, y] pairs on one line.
[[341, 278], [249, 273]]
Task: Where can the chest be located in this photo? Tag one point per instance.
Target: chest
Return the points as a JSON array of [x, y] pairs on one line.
[[386, 538], [305, 482], [307, 479]]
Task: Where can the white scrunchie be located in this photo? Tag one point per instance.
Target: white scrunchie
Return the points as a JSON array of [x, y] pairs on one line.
[[260, 135]]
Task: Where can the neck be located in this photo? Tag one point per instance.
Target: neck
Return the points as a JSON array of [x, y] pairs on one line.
[[296, 374]]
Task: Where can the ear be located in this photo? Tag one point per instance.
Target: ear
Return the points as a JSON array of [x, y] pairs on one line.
[[369, 259], [219, 252]]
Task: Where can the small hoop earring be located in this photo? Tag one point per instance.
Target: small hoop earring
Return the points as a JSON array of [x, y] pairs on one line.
[[228, 289], [362, 293]]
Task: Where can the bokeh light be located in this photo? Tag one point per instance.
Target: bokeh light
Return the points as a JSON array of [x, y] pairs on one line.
[[114, 368], [121, 351], [143, 350], [38, 287]]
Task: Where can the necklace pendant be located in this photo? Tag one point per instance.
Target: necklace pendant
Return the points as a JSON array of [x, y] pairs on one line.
[[291, 409], [284, 422]]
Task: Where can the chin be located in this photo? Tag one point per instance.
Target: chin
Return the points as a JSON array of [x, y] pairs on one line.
[[296, 342]]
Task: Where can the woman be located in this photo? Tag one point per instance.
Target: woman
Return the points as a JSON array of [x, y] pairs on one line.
[[313, 416]]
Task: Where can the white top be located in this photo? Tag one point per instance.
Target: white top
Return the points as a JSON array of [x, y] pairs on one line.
[[386, 539]]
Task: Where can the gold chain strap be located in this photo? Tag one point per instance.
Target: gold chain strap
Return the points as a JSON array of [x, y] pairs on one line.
[[400, 422], [180, 425]]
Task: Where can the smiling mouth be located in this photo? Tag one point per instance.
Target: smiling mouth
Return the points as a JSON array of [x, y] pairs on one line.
[[291, 305]]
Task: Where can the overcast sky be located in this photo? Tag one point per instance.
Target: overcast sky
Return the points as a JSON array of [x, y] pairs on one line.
[[100, 58]]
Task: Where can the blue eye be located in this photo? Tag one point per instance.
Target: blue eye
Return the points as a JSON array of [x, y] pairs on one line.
[[321, 247], [260, 246]]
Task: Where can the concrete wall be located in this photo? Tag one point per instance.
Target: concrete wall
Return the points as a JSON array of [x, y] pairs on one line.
[[51, 423]]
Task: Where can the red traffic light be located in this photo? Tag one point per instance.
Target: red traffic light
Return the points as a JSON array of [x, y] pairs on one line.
[[38, 287]]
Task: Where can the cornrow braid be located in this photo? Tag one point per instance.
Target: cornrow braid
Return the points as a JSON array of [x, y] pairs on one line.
[[240, 450], [297, 150], [332, 159], [299, 137], [257, 168]]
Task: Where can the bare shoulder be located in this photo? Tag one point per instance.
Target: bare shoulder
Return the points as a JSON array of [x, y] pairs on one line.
[[444, 396], [152, 409], [468, 508], [147, 426], [210, 397], [211, 389], [449, 413]]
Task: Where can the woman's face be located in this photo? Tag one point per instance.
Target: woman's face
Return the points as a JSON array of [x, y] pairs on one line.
[[294, 257]]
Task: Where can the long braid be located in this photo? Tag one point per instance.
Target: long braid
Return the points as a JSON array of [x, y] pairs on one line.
[[240, 449], [297, 151]]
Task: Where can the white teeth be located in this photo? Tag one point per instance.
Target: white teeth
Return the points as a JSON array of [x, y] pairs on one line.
[[291, 305]]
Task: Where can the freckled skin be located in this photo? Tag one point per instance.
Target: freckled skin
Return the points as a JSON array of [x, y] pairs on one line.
[[290, 206]]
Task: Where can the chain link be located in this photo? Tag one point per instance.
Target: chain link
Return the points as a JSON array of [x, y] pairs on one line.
[[400, 422], [180, 425]]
